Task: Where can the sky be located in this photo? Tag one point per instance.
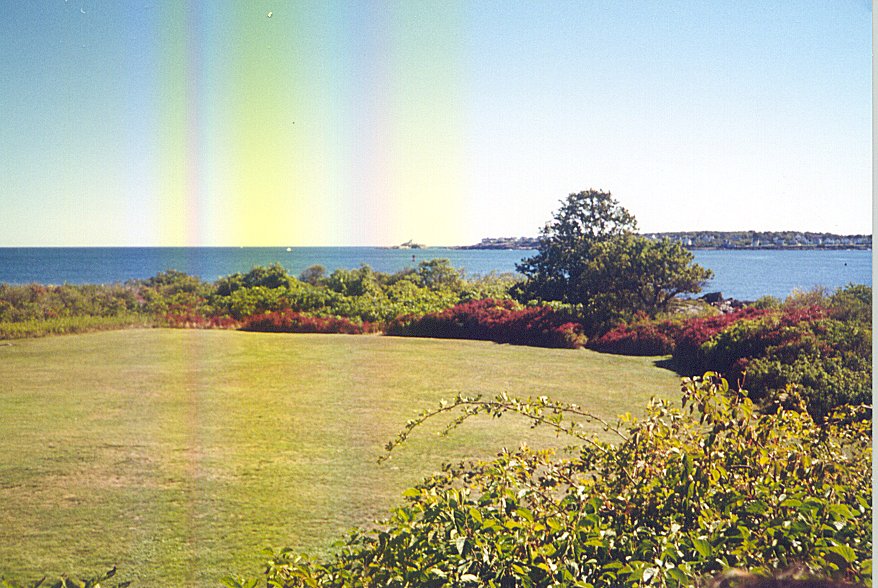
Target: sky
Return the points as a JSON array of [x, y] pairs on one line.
[[271, 123]]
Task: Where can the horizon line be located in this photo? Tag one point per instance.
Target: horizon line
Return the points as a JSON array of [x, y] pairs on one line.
[[398, 246]]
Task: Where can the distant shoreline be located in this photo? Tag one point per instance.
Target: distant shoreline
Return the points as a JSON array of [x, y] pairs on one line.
[[692, 248], [719, 241]]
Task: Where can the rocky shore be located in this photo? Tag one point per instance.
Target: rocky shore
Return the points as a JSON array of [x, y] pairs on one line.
[[724, 305]]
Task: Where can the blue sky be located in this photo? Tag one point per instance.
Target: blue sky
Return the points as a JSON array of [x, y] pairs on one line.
[[342, 123]]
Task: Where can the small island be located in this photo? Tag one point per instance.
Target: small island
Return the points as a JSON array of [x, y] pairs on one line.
[[410, 244], [504, 243]]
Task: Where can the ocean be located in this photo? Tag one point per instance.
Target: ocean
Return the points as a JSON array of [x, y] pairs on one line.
[[741, 274]]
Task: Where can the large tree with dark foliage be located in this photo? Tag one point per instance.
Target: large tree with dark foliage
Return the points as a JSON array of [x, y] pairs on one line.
[[556, 272], [589, 256], [632, 273]]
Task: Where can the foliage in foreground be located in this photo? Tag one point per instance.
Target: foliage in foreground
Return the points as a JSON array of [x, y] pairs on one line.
[[687, 493], [70, 582]]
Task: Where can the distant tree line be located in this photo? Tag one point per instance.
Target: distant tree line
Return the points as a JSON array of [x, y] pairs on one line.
[[764, 240], [716, 240]]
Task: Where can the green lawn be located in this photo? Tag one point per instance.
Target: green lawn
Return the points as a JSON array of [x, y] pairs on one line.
[[179, 454]]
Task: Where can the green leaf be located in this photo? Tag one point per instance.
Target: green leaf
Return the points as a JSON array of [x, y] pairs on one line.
[[844, 551], [677, 575], [460, 544], [842, 510], [703, 548], [756, 507]]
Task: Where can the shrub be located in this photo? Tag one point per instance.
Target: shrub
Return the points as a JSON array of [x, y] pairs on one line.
[[688, 355], [752, 337], [271, 277], [174, 292], [501, 321], [687, 493], [852, 304], [828, 359], [646, 338], [39, 302], [288, 321], [67, 325], [825, 351], [361, 294], [313, 275]]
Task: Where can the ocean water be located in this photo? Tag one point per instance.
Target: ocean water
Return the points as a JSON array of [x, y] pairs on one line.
[[742, 274]]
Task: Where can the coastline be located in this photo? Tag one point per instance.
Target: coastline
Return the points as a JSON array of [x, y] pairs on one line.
[[690, 248], [718, 240]]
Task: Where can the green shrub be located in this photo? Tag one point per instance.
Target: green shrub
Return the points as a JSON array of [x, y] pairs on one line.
[[174, 292], [768, 303], [852, 303], [360, 294], [313, 275], [829, 360], [72, 324], [271, 277], [685, 494], [37, 302]]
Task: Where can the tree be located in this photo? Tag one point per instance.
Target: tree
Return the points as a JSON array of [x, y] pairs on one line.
[[439, 274], [314, 275], [632, 273], [271, 276], [556, 271], [590, 257]]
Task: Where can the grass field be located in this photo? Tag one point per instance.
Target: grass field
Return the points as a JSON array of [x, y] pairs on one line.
[[179, 454]]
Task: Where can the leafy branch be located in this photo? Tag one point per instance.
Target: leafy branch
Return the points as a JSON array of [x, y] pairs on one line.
[[539, 411]]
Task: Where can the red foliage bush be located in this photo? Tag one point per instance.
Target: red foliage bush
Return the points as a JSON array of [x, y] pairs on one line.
[[638, 339], [794, 316], [288, 321], [697, 331], [502, 321], [734, 342]]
